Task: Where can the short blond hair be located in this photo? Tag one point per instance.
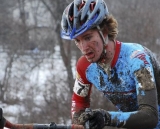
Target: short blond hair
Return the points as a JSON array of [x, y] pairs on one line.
[[110, 26]]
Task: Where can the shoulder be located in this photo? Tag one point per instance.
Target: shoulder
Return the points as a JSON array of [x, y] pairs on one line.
[[135, 54], [130, 47], [81, 67], [82, 63]]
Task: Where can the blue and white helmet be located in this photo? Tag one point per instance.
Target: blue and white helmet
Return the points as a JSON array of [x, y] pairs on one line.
[[81, 15]]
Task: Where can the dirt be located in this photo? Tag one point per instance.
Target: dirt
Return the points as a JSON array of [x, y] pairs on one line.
[[145, 79]]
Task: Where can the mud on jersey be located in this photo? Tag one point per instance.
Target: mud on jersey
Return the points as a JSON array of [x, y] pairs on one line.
[[121, 84]]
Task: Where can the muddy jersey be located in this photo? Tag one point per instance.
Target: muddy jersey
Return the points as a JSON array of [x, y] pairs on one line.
[[126, 83]]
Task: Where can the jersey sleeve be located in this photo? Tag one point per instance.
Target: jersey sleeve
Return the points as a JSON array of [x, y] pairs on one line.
[[146, 115], [81, 89]]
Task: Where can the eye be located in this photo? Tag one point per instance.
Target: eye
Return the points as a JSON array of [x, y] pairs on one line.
[[88, 38]]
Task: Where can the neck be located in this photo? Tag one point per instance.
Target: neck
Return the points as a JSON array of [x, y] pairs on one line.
[[108, 53], [106, 58]]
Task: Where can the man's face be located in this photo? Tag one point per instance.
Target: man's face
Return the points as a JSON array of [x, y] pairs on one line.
[[90, 44]]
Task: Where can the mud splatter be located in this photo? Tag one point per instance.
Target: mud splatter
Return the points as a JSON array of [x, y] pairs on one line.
[[114, 79], [102, 83], [145, 79]]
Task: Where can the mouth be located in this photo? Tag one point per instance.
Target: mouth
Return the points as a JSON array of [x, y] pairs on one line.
[[89, 55]]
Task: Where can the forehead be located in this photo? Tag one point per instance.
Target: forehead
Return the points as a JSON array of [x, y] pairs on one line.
[[88, 32]]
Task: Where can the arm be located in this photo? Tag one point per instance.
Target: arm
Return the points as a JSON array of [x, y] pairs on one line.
[[147, 114], [145, 117], [81, 90], [80, 100]]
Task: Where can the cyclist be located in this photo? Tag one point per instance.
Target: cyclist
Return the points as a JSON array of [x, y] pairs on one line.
[[127, 73]]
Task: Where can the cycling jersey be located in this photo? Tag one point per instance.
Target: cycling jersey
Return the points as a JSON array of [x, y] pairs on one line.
[[129, 84]]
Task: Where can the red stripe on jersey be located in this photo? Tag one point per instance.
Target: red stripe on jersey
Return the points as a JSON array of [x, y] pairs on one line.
[[117, 51]]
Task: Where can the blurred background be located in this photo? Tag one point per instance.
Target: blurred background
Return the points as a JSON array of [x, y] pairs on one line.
[[38, 68]]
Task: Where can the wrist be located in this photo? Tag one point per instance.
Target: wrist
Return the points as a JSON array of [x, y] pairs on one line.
[[117, 123], [107, 117]]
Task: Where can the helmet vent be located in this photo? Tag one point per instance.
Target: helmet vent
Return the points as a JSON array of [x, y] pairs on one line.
[[84, 20], [92, 6], [70, 14], [81, 5], [71, 18]]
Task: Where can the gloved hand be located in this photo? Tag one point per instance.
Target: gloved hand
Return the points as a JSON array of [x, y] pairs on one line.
[[76, 116], [97, 118], [2, 119]]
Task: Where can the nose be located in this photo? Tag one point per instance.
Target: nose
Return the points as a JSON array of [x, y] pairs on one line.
[[83, 46]]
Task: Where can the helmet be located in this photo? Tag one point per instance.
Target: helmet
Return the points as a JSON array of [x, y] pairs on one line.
[[81, 15]]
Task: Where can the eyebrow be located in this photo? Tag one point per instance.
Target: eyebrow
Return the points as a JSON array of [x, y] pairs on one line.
[[89, 33]]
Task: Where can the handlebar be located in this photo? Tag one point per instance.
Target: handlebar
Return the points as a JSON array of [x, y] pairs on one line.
[[45, 126], [49, 126]]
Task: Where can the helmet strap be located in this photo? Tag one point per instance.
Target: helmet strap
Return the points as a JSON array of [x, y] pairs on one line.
[[105, 42], [102, 59]]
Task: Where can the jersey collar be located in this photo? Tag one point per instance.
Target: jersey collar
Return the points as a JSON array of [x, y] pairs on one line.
[[116, 55]]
